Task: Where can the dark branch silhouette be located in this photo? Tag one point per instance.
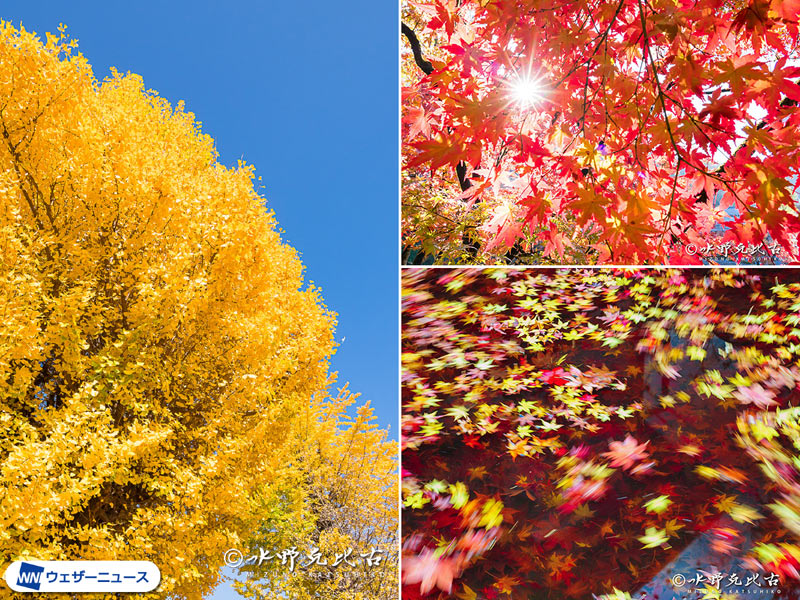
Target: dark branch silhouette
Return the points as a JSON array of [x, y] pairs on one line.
[[423, 64]]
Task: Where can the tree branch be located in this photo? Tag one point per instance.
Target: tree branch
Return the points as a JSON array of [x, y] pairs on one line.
[[423, 64]]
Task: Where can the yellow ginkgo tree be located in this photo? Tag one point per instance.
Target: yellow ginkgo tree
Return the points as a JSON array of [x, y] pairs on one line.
[[160, 355], [338, 506]]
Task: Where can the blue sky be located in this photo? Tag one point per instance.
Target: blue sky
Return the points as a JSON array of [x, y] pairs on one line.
[[306, 92]]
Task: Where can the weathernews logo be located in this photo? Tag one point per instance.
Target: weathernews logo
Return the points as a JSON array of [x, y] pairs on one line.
[[109, 576], [30, 576]]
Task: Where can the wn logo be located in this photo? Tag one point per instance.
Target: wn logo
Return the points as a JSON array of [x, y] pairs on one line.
[[29, 576]]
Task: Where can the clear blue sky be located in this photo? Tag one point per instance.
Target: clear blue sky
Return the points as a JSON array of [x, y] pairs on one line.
[[306, 92]]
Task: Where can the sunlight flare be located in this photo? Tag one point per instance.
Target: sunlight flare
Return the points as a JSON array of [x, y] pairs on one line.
[[528, 92]]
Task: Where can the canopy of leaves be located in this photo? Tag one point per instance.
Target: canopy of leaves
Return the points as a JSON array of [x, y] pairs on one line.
[[573, 432], [344, 506], [161, 359], [618, 131]]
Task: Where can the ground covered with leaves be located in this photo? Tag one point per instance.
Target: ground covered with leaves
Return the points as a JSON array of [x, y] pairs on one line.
[[569, 433]]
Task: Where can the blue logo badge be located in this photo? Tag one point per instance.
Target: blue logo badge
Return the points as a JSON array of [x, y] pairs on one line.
[[29, 576]]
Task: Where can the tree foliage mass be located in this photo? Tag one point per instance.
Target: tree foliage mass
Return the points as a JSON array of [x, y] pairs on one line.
[[611, 131], [162, 363]]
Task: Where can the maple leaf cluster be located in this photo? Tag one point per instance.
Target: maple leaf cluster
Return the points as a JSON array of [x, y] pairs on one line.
[[571, 432], [616, 132]]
